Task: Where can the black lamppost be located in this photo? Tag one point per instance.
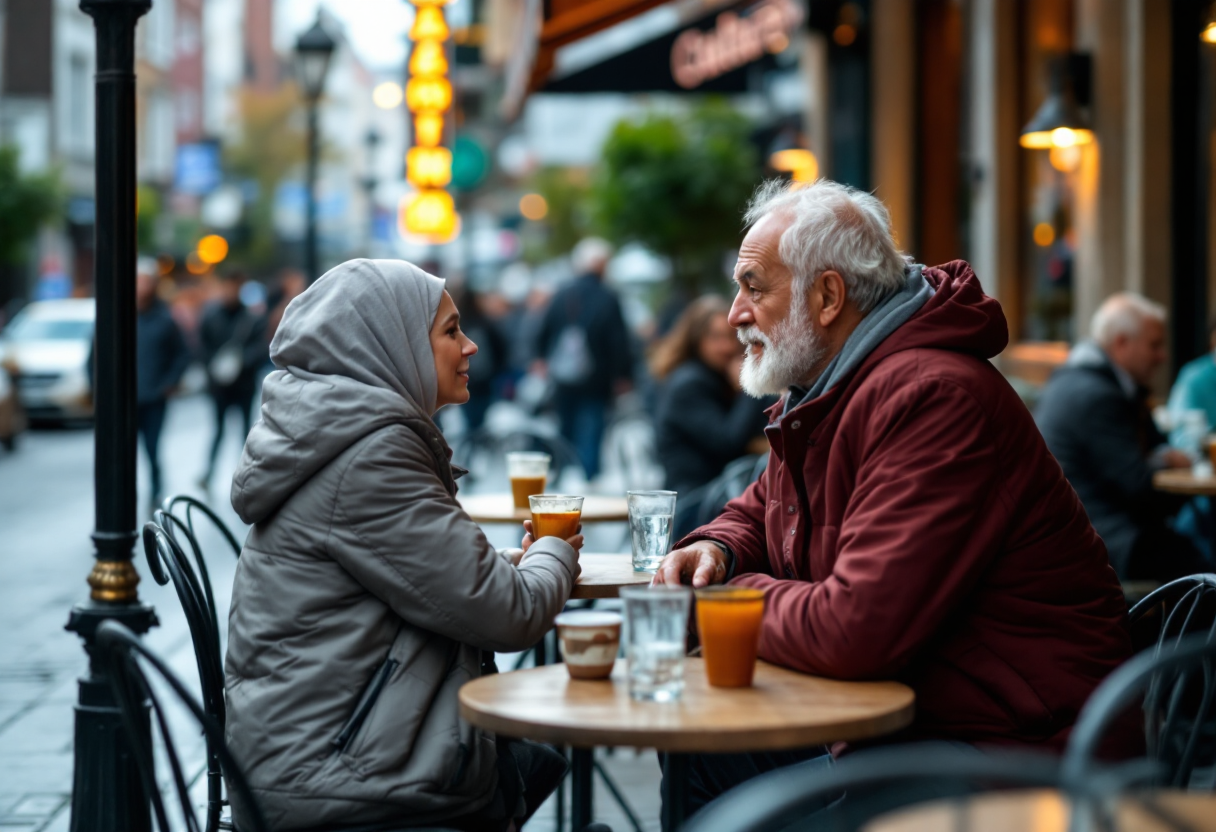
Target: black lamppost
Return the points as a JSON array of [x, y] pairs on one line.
[[313, 51], [106, 794], [371, 140]]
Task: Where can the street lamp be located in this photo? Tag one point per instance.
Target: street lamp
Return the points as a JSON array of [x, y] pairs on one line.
[[313, 51], [106, 791]]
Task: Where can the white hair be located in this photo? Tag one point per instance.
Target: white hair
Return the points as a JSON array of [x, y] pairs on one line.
[[1123, 314], [590, 255], [833, 227]]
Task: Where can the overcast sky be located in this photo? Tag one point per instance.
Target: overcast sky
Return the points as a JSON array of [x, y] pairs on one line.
[[376, 28]]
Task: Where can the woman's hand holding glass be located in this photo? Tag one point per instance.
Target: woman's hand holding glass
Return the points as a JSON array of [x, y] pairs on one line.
[[575, 542]]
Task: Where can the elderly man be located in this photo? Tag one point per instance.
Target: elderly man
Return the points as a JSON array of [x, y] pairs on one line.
[[911, 523], [1095, 417]]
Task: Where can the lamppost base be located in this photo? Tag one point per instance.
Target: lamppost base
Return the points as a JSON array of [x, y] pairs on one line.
[[107, 795]]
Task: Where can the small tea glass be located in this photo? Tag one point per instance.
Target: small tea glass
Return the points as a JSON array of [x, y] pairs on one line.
[[555, 515], [529, 474], [656, 628]]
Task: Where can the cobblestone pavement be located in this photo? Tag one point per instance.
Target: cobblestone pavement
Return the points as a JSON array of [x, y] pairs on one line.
[[46, 514]]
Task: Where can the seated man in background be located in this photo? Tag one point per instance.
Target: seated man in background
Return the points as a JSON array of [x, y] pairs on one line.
[[911, 524], [1095, 417]]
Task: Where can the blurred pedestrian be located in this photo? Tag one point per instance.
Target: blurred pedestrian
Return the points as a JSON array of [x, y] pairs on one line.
[[698, 366], [233, 342], [584, 350], [291, 284], [491, 358], [161, 357], [1094, 415]]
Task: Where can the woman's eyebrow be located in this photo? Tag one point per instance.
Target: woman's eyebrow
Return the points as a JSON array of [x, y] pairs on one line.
[[452, 318]]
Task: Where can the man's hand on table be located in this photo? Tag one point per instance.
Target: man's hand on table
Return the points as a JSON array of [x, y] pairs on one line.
[[701, 564]]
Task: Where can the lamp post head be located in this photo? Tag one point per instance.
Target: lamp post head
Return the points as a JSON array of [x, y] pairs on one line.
[[313, 51]]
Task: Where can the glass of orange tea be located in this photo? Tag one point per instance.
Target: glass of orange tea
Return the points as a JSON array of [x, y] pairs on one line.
[[729, 621], [529, 473], [555, 515]]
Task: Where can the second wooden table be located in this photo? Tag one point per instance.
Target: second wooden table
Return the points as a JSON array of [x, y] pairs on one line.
[[500, 508]]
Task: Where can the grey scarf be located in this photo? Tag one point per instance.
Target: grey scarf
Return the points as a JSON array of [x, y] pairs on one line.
[[874, 328]]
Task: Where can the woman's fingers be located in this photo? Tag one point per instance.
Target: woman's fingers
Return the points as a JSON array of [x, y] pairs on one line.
[[576, 542]]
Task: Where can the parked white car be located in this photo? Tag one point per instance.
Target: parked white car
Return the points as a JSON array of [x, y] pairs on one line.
[[46, 349]]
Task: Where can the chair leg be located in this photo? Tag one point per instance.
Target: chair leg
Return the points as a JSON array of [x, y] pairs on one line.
[[615, 791]]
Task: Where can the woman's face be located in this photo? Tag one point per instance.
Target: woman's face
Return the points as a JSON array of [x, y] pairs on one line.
[[452, 349], [719, 344]]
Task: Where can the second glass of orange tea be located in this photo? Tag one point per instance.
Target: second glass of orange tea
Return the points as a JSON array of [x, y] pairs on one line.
[[555, 515], [529, 473]]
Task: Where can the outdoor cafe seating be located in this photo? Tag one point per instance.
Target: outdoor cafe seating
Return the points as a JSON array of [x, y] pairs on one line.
[[951, 787]]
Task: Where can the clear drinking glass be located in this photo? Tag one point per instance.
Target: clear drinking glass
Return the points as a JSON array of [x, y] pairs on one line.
[[529, 473], [650, 520], [656, 628]]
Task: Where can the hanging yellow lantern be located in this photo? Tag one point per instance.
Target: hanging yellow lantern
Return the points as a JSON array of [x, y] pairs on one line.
[[430, 214], [429, 94], [428, 129], [428, 58], [429, 24], [428, 167]]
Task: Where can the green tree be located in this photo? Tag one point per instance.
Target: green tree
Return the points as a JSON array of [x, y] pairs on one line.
[[27, 202], [271, 147], [569, 220], [678, 185]]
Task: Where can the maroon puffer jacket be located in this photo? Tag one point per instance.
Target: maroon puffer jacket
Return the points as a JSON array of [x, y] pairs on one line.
[[912, 525]]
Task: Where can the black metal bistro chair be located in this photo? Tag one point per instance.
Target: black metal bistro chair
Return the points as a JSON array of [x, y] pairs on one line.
[[857, 788], [127, 660], [168, 561], [1177, 680], [1180, 608]]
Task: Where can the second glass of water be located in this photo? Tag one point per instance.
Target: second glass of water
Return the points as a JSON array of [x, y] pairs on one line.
[[650, 521], [656, 627]]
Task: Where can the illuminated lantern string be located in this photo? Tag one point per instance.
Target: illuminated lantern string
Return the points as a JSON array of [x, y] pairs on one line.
[[431, 213], [428, 58], [429, 25], [428, 94], [428, 129], [429, 167]]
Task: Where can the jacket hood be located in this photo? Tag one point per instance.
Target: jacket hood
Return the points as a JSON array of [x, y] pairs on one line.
[[959, 317], [354, 356]]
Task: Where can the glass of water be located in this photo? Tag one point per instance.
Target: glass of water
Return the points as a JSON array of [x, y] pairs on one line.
[[656, 627], [650, 519]]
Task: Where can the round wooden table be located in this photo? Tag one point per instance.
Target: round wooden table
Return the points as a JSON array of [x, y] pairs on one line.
[[1048, 811], [604, 575], [500, 508], [1182, 481], [783, 710]]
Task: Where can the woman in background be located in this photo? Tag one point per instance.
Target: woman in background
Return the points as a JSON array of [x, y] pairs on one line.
[[703, 419]]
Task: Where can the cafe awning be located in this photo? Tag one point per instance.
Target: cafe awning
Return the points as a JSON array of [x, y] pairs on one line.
[[690, 45]]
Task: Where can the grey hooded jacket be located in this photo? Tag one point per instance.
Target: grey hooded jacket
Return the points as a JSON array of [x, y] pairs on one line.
[[365, 595]]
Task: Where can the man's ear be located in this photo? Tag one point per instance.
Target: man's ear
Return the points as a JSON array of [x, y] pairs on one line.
[[832, 295]]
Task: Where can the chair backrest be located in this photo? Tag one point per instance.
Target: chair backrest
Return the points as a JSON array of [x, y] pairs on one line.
[[127, 661], [1177, 681], [168, 561], [873, 782], [731, 483], [1180, 608]]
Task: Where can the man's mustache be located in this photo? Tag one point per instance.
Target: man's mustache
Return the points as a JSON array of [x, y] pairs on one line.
[[751, 335]]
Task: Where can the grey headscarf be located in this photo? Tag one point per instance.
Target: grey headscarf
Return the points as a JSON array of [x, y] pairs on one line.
[[368, 320]]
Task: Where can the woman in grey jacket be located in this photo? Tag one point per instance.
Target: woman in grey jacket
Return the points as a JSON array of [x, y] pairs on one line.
[[365, 596]]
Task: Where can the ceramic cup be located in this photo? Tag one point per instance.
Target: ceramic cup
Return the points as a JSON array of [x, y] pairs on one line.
[[590, 640]]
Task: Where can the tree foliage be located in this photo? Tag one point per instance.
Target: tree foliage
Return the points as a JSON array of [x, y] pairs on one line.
[[679, 185], [27, 202], [271, 147]]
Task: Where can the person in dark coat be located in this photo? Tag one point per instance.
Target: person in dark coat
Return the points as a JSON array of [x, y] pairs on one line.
[[161, 358], [234, 348], [698, 366], [1095, 418], [584, 348], [911, 523]]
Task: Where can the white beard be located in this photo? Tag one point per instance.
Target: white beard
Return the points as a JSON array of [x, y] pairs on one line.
[[790, 356]]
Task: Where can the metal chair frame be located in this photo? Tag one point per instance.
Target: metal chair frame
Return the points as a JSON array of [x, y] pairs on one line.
[[126, 658], [1179, 608], [1178, 683], [787, 798]]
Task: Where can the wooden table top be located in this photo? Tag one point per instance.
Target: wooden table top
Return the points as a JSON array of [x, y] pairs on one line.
[[500, 508], [783, 710], [1045, 811], [604, 575], [1182, 481]]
